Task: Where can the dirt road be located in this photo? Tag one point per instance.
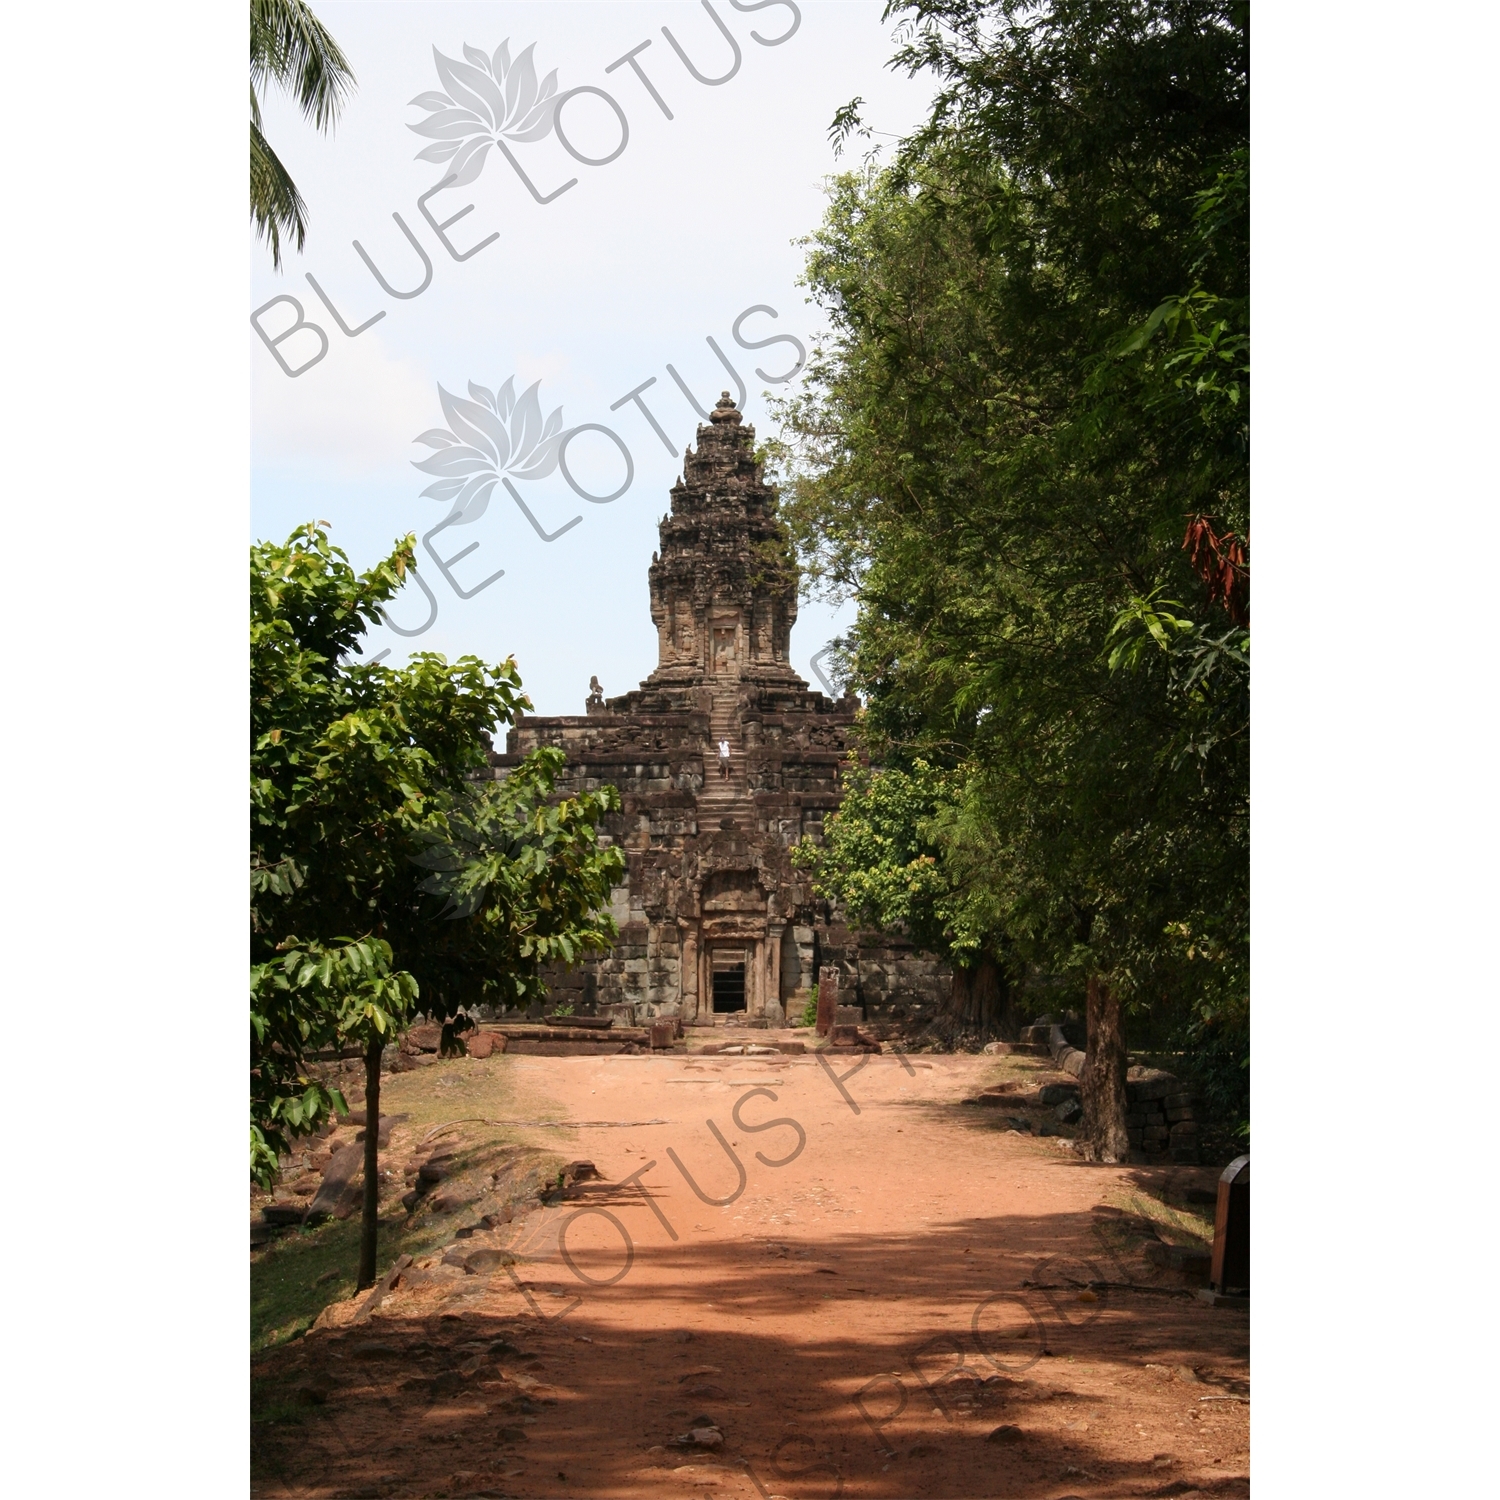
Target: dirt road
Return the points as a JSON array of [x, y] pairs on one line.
[[840, 1278]]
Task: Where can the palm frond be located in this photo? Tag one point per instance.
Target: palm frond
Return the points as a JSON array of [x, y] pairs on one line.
[[276, 207], [289, 45]]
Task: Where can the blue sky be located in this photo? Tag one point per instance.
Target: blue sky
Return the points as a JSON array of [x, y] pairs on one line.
[[631, 269]]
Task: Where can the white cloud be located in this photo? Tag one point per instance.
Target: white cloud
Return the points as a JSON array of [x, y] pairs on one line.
[[352, 415]]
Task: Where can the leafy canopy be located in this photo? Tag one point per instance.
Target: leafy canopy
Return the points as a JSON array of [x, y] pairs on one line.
[[1033, 388], [387, 870]]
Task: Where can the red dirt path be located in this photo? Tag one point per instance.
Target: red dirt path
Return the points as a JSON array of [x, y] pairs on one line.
[[857, 1321]]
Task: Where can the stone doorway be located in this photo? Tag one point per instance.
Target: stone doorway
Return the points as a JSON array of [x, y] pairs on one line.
[[727, 967], [724, 644]]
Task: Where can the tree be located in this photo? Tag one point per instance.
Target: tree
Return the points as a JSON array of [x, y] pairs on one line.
[[382, 860], [1033, 394], [883, 860], [291, 47]]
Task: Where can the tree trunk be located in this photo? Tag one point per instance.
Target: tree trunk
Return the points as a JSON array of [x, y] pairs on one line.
[[1103, 1080], [370, 1219], [981, 998]]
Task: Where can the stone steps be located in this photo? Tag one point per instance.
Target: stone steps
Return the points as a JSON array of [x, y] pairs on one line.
[[721, 798]]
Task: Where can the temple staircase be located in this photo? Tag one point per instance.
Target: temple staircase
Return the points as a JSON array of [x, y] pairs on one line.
[[724, 798]]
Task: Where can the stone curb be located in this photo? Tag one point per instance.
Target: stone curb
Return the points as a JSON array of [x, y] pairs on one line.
[[1067, 1057]]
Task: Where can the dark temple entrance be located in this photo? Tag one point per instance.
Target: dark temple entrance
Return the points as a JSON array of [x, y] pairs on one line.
[[729, 981]]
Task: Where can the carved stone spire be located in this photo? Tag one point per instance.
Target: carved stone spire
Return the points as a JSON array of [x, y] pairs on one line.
[[724, 584]]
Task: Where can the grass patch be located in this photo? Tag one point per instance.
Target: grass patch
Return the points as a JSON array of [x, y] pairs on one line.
[[307, 1269], [1184, 1226]]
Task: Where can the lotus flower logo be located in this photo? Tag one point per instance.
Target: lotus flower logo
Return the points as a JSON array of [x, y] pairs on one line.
[[493, 435], [488, 98]]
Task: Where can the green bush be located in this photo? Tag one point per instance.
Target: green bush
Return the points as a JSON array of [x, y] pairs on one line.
[[810, 1010]]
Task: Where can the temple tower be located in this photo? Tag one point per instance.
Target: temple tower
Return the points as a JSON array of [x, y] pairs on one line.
[[715, 922]]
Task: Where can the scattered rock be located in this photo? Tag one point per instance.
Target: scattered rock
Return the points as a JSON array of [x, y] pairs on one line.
[[339, 1195], [422, 1039], [1056, 1093], [1005, 1434], [512, 1435], [436, 1168], [706, 1437], [484, 1262], [1070, 1110]]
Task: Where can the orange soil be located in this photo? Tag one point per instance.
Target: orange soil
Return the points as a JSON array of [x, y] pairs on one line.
[[857, 1320]]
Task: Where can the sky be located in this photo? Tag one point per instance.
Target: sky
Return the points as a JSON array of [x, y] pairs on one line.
[[664, 245]]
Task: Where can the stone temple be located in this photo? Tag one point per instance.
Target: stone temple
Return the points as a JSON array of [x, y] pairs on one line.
[[716, 926]]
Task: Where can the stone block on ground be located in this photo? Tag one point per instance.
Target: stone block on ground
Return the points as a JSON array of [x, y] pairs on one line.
[[435, 1170], [1055, 1093], [331, 1199], [486, 1044], [1142, 1084], [422, 1039], [663, 1034]]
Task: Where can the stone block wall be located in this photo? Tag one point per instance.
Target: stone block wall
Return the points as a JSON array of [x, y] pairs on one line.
[[1161, 1115]]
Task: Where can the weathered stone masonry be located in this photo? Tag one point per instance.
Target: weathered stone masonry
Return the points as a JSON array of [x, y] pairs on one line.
[[714, 921]]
